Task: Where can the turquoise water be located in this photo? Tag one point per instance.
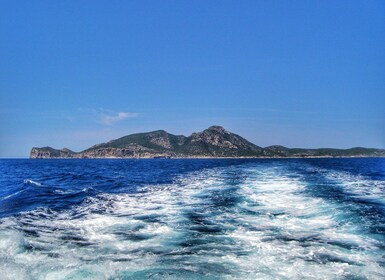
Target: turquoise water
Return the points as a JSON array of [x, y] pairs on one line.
[[192, 219]]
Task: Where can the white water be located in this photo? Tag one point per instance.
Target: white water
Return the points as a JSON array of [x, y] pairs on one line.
[[272, 230]]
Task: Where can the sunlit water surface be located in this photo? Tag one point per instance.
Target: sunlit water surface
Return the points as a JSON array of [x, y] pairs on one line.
[[192, 219]]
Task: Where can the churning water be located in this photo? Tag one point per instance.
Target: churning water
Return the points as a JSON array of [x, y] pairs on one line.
[[192, 219]]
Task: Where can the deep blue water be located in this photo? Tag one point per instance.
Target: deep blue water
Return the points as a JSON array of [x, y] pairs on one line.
[[192, 219]]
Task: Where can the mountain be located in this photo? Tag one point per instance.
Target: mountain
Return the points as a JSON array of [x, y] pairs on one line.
[[212, 142]]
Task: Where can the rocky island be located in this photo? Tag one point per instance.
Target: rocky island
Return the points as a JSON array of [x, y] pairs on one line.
[[213, 142]]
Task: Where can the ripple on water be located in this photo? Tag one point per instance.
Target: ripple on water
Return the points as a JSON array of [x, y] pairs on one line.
[[264, 223]]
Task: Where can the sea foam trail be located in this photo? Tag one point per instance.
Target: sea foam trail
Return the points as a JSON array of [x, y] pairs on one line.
[[249, 221], [361, 197], [127, 233], [294, 235]]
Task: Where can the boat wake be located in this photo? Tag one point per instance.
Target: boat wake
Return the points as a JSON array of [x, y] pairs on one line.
[[250, 221]]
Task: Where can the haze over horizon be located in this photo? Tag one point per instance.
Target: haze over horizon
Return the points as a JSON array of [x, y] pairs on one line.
[[299, 74]]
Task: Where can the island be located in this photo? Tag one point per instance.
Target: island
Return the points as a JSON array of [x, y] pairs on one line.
[[213, 142]]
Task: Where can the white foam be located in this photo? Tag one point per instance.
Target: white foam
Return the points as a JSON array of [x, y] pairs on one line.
[[267, 229], [358, 185], [29, 181], [285, 210], [11, 195], [120, 213]]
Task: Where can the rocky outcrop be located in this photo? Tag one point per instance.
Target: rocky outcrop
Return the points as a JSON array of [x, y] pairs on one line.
[[218, 142], [212, 142], [131, 151], [48, 152], [159, 138]]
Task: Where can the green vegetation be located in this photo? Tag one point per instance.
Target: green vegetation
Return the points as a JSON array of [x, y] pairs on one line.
[[212, 142]]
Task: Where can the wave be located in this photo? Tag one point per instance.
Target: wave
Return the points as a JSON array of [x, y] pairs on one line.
[[12, 195], [359, 185], [33, 183], [242, 221]]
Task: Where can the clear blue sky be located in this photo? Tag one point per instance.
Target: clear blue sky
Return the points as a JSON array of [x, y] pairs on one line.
[[296, 73]]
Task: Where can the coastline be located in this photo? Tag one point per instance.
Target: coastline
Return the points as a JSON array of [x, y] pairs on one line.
[[210, 157], [214, 142]]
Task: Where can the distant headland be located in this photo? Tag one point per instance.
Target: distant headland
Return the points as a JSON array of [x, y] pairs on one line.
[[213, 142]]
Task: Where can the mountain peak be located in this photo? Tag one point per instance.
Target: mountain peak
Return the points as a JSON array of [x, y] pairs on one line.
[[216, 128], [214, 141]]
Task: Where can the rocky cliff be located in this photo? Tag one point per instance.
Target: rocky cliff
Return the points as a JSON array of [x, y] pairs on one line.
[[212, 142], [48, 152]]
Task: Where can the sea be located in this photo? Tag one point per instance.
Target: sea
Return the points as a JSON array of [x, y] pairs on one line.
[[192, 218]]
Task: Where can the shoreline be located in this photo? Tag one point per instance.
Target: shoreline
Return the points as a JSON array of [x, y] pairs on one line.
[[203, 157]]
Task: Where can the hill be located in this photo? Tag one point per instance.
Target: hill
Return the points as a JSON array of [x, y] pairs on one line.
[[214, 141]]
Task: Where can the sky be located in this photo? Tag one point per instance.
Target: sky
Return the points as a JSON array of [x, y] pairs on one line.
[[296, 73]]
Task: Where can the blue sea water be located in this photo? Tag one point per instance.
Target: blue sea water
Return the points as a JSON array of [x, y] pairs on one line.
[[192, 219]]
